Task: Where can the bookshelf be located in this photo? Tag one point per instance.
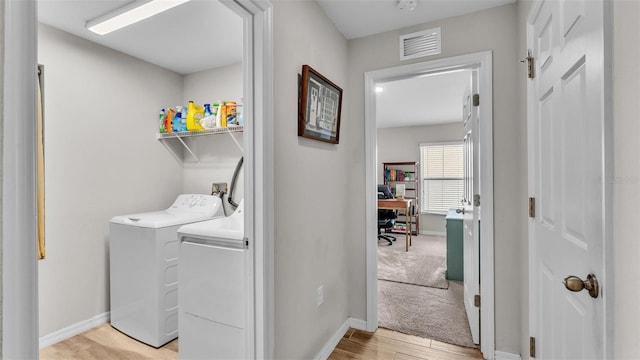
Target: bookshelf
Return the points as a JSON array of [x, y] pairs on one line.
[[408, 174]]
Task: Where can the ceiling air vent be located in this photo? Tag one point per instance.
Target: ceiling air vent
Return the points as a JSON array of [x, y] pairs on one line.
[[418, 44]]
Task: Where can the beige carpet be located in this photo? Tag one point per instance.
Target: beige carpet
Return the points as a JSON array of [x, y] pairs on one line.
[[432, 307], [424, 264], [423, 311]]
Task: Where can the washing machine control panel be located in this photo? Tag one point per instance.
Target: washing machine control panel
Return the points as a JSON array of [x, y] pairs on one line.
[[194, 202]]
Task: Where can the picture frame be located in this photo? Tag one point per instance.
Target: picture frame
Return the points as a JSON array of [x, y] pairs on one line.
[[319, 107]]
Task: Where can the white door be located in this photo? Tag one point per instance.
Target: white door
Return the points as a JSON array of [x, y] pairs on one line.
[[566, 177], [471, 230]]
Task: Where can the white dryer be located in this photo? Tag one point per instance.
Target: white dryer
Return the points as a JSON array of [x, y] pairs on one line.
[[144, 267], [212, 288]]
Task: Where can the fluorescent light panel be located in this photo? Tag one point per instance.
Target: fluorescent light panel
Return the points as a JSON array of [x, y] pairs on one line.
[[130, 14]]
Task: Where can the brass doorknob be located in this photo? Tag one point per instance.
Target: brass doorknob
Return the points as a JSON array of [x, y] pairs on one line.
[[574, 283]]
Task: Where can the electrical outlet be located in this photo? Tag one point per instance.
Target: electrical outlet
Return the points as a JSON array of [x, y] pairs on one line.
[[320, 294], [217, 188]]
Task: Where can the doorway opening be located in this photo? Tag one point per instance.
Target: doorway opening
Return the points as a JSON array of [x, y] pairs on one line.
[[20, 310], [421, 159], [480, 63]]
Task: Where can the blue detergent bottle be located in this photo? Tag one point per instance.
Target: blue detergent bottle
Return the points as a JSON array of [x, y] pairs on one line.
[[177, 120], [183, 120]]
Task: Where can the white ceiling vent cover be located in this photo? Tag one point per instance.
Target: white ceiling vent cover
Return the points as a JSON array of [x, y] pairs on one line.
[[422, 43]]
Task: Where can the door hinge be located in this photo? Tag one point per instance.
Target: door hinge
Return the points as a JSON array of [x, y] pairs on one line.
[[532, 207], [476, 301], [530, 64], [476, 199], [476, 99], [532, 347], [246, 243]]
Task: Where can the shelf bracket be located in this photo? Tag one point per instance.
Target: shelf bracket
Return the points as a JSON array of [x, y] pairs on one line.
[[188, 149]]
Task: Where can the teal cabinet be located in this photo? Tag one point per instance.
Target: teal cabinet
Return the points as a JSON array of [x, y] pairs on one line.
[[455, 259]]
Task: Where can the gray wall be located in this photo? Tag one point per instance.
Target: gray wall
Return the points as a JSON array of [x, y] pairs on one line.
[[626, 183], [102, 159], [403, 144], [494, 29], [312, 223]]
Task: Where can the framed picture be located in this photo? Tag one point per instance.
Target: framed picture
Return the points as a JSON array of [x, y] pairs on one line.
[[320, 103]]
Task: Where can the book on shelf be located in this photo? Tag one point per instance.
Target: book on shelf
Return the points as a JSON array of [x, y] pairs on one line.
[[396, 175]]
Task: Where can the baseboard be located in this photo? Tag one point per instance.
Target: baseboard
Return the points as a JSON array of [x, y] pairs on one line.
[[436, 233], [74, 329], [328, 348], [501, 355], [358, 324]]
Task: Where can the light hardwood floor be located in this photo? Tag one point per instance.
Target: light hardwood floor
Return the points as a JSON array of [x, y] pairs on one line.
[[390, 345], [105, 342]]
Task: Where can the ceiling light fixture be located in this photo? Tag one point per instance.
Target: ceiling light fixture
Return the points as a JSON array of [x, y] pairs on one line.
[[130, 14], [407, 5]]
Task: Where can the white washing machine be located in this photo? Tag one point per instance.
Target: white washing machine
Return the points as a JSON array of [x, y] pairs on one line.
[[144, 267], [212, 288]]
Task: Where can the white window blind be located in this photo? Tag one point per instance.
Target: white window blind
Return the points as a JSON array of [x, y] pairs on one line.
[[442, 176]]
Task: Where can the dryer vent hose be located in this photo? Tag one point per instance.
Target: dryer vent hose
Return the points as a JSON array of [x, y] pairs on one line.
[[233, 183]]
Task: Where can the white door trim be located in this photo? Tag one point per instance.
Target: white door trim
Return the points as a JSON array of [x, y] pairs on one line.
[[482, 61], [19, 266]]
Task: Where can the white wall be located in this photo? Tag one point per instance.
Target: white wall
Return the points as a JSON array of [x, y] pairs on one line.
[[218, 154], [626, 183], [312, 222], [102, 159], [494, 29], [403, 144]]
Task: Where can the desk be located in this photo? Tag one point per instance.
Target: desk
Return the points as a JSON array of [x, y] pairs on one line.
[[397, 204]]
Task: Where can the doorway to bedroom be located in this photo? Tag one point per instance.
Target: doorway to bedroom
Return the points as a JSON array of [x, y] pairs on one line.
[[423, 126], [420, 155]]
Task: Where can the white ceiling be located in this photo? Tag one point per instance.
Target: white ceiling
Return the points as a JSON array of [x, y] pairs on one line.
[[424, 100], [195, 36], [358, 18]]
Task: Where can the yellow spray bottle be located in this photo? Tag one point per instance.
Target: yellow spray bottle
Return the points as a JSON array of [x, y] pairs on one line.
[[195, 112]]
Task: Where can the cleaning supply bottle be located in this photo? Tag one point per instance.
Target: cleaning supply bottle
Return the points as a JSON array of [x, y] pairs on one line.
[[162, 117], [216, 112], [182, 116], [222, 113], [183, 119], [168, 120], [232, 120], [175, 123], [194, 114]]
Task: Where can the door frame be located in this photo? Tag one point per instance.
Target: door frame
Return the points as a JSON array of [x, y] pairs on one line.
[[608, 290], [19, 265], [483, 62]]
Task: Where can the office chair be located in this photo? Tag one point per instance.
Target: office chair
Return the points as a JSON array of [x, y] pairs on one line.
[[386, 218]]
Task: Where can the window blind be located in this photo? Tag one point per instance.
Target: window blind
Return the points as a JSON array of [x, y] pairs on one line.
[[442, 176]]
